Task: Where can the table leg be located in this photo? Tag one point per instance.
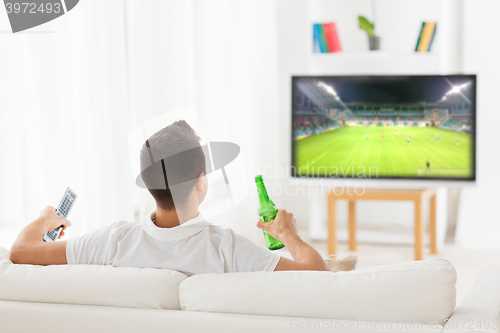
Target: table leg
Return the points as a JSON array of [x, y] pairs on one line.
[[352, 225], [418, 230], [332, 225], [432, 225]]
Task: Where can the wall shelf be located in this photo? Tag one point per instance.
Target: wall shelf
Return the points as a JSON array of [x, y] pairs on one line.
[[376, 55], [374, 62]]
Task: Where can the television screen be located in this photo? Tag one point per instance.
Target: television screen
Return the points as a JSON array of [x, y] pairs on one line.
[[413, 127]]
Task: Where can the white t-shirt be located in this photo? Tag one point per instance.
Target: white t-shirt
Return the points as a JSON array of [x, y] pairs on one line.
[[194, 247]]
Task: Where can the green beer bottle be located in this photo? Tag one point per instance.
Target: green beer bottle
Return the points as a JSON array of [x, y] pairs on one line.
[[267, 213]]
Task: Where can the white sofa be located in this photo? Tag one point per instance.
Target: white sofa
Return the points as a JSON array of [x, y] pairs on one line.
[[410, 297]]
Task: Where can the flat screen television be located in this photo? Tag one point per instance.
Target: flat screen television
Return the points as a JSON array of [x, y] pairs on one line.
[[389, 127]]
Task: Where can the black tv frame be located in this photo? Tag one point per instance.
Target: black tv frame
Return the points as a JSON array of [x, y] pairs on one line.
[[471, 179]]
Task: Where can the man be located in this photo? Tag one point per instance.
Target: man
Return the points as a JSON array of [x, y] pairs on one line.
[[175, 236], [427, 166]]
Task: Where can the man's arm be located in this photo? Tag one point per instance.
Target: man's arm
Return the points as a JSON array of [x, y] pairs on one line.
[[29, 247], [284, 228]]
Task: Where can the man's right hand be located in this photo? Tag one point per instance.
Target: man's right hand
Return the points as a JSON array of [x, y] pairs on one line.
[[49, 220], [282, 227]]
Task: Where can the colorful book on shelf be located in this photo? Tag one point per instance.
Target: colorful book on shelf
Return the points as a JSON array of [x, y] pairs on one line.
[[325, 38], [317, 41], [426, 36], [332, 38], [322, 38], [432, 38]]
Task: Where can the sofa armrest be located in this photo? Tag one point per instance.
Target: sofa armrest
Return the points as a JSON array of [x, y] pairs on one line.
[[479, 310]]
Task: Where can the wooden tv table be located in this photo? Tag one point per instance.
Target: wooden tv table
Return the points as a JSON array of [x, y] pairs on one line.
[[417, 196]]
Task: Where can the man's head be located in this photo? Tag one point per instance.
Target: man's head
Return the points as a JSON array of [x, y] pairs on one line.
[[173, 167]]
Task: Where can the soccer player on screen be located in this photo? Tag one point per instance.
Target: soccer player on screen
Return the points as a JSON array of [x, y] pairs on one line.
[[428, 166]]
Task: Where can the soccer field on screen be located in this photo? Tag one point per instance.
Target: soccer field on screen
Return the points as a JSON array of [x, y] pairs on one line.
[[385, 152]]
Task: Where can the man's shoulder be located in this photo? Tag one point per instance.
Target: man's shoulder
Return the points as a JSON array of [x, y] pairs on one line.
[[220, 234], [120, 227], [124, 226], [124, 223], [222, 229], [227, 234], [217, 231]]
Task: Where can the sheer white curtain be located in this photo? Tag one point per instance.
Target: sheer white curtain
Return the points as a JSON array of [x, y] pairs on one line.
[[70, 98], [222, 56], [237, 90], [65, 118]]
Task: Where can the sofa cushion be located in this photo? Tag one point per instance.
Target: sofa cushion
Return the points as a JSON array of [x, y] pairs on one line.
[[90, 285], [411, 292], [4, 256]]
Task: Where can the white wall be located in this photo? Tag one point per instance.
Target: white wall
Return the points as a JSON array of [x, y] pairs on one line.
[[104, 69], [228, 67], [398, 24], [478, 220], [64, 118]]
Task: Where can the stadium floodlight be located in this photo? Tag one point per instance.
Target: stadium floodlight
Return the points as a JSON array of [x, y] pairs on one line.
[[455, 90], [327, 88]]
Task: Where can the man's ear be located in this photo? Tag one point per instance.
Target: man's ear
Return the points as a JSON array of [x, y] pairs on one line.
[[200, 186]]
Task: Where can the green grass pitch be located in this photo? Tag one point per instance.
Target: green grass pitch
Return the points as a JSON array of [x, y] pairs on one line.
[[346, 151]]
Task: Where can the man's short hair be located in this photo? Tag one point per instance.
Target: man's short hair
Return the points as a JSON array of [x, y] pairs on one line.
[[172, 159]]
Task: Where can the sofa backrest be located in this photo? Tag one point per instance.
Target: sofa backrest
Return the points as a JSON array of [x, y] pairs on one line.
[[419, 291], [90, 285]]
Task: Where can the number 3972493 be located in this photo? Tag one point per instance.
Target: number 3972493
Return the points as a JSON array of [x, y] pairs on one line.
[[33, 8]]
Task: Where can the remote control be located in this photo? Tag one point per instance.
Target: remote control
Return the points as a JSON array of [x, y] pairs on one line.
[[62, 211]]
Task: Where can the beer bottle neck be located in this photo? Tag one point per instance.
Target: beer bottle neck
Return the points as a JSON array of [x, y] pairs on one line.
[[261, 190]]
